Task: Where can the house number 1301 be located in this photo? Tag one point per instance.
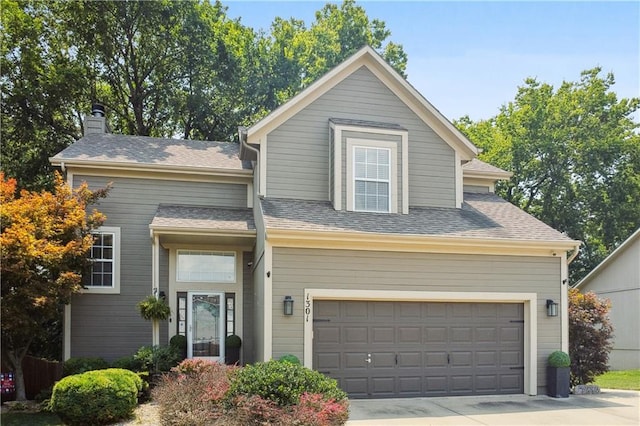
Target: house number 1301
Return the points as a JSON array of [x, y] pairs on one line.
[[307, 307]]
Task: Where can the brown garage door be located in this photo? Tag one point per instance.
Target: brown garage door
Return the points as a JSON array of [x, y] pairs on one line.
[[403, 349]]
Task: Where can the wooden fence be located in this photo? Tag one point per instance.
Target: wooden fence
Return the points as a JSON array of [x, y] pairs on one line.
[[39, 374]]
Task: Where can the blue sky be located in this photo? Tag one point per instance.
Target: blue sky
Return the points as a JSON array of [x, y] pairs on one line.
[[468, 58]]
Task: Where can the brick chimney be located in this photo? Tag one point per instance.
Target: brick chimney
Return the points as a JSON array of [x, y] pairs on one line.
[[96, 123]]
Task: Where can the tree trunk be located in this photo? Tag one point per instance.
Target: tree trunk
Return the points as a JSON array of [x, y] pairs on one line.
[[15, 362]]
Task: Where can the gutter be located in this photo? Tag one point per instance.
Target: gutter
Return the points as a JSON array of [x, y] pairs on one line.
[[242, 136]]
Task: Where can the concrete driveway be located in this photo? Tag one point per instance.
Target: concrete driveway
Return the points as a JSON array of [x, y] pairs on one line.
[[611, 407]]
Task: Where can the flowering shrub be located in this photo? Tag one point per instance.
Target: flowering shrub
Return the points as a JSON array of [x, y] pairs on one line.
[[200, 392], [192, 394]]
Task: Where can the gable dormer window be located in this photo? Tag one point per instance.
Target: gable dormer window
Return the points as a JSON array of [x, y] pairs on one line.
[[368, 166], [372, 176]]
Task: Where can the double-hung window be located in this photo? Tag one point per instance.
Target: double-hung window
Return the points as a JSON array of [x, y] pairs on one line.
[[372, 173], [103, 275], [371, 176]]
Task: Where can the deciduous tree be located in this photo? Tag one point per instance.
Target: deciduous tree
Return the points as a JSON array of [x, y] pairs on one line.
[[590, 333], [575, 156], [44, 244]]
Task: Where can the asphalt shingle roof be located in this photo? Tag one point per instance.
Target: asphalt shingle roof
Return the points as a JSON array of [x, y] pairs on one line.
[[195, 217], [476, 165], [482, 216], [143, 150]]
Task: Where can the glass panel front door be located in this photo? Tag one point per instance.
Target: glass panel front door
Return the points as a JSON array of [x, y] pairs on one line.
[[205, 337]]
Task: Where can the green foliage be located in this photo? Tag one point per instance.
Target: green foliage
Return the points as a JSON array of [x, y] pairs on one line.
[[156, 359], [233, 341], [96, 397], [559, 359], [83, 364], [575, 156], [153, 308], [179, 343], [128, 363], [282, 383], [590, 333], [44, 243], [290, 358]]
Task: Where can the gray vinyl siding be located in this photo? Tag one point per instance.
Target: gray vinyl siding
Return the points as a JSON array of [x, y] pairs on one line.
[[297, 269], [247, 310], [109, 325], [298, 150]]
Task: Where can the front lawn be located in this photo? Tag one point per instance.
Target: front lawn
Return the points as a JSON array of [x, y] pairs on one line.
[[31, 419], [625, 379]]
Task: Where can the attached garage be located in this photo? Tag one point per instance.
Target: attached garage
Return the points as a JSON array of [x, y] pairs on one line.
[[378, 349]]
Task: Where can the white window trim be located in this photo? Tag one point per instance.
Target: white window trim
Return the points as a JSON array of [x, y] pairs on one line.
[[352, 144], [115, 288], [235, 263], [337, 160]]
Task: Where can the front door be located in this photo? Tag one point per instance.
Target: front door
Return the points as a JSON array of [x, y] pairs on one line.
[[205, 325]]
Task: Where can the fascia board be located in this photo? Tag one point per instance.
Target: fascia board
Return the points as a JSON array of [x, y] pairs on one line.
[[149, 167], [417, 243]]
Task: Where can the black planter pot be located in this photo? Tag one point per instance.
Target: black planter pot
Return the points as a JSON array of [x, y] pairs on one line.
[[232, 355], [558, 382]]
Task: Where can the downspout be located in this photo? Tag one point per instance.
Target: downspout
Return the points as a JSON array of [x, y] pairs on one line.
[[242, 135], [574, 254]]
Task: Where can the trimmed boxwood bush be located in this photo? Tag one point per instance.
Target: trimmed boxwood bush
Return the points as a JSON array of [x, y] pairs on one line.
[[179, 343], [559, 359], [96, 397], [282, 383], [290, 358], [83, 364]]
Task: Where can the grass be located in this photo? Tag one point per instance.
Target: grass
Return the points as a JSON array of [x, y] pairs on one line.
[[31, 419], [625, 379]]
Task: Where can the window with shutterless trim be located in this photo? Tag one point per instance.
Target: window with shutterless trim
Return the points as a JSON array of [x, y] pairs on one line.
[[103, 275]]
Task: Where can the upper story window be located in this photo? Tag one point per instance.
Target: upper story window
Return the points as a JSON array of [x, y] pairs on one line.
[[104, 274], [371, 174], [368, 166], [372, 184], [206, 266]]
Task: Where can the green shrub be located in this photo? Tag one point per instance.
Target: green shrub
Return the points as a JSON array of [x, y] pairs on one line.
[[290, 358], [179, 343], [128, 363], [233, 341], [81, 365], [96, 397], [559, 359], [282, 383], [156, 359]]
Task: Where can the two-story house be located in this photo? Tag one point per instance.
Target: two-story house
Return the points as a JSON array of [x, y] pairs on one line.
[[352, 227]]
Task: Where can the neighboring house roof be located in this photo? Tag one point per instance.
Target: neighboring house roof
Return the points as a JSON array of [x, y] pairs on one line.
[[478, 168], [369, 58], [609, 259], [127, 151], [482, 216], [203, 218]]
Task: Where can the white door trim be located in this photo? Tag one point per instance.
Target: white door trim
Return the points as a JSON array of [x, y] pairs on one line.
[[221, 322]]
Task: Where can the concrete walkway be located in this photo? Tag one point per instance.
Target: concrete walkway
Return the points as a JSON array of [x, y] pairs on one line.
[[611, 407]]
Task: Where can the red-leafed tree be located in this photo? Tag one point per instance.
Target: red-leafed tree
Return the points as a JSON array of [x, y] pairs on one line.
[[44, 244], [590, 333]]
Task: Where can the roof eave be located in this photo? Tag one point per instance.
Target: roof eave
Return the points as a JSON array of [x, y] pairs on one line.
[[58, 161], [486, 175], [412, 242]]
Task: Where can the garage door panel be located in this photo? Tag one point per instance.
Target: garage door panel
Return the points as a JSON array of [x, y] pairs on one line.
[[461, 335], [409, 359], [420, 348], [487, 359], [435, 334], [436, 359], [382, 334]]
